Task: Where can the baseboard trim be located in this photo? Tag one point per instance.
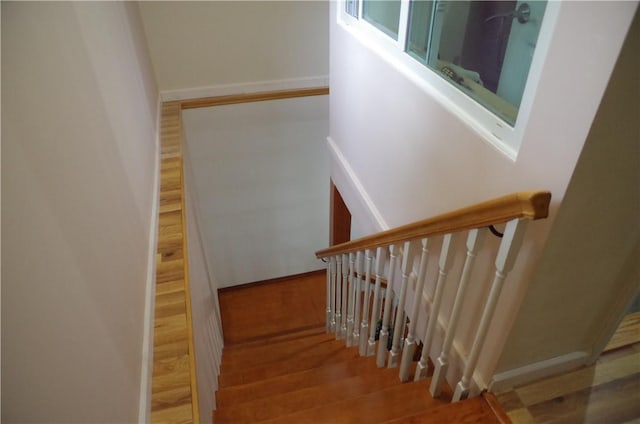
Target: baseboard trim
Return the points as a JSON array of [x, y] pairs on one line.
[[353, 192], [146, 374], [244, 88], [507, 380]]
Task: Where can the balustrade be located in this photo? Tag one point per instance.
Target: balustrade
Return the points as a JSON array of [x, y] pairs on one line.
[[364, 320]]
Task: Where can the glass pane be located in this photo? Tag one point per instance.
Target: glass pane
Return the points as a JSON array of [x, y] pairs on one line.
[[484, 48], [384, 15], [418, 33], [351, 7]]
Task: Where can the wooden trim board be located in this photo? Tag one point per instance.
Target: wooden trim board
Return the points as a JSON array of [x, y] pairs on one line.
[[253, 97], [174, 393]]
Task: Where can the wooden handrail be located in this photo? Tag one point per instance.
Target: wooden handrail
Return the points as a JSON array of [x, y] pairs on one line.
[[525, 204]]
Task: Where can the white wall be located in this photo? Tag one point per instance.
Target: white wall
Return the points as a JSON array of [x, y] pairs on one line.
[[204, 44], [261, 177], [590, 270], [405, 157], [79, 155]]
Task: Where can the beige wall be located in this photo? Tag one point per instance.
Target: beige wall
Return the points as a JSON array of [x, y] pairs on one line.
[[590, 270], [260, 176], [202, 44], [79, 155]]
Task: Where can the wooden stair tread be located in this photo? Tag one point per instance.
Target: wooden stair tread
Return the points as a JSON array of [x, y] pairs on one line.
[[628, 332], [294, 381], [277, 338], [470, 411], [297, 373], [291, 349], [376, 407], [324, 394], [338, 353]]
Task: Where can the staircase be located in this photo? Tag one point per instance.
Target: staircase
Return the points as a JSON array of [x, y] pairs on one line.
[[304, 375], [357, 366]]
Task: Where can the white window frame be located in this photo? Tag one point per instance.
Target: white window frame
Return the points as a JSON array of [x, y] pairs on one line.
[[500, 134]]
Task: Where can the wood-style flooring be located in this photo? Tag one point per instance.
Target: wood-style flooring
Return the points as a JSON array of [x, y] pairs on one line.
[[263, 310], [607, 392], [280, 366], [173, 385]]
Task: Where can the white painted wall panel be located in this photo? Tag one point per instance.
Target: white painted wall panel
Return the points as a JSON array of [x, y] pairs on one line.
[[203, 44], [78, 139], [261, 178]]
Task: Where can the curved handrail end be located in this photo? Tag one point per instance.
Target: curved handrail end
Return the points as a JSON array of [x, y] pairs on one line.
[[535, 204]]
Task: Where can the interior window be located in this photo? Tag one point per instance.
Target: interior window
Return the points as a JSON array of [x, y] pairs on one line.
[[384, 15], [351, 7], [484, 48]]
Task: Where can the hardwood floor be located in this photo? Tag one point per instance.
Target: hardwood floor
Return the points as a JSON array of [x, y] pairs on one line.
[[173, 384], [279, 366], [628, 332], [607, 392], [262, 310]]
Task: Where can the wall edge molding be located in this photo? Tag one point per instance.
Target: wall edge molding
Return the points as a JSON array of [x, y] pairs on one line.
[[146, 374], [244, 88], [353, 192], [508, 379]]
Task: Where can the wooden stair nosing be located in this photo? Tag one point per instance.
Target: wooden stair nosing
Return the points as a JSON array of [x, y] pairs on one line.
[[402, 399], [274, 338], [306, 346], [289, 402], [470, 411], [294, 381], [260, 372]]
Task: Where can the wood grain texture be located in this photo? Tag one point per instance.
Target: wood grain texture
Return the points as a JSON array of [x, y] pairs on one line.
[[340, 218], [606, 392], [173, 391], [253, 97], [256, 311], [525, 205], [628, 332], [284, 372], [471, 411]]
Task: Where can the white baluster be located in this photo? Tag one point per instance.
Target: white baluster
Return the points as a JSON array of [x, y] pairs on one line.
[[338, 307], [410, 343], [388, 307], [398, 330], [352, 295], [364, 325], [358, 298], [335, 277], [329, 299], [507, 253], [474, 242], [446, 260], [377, 299], [345, 291]]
